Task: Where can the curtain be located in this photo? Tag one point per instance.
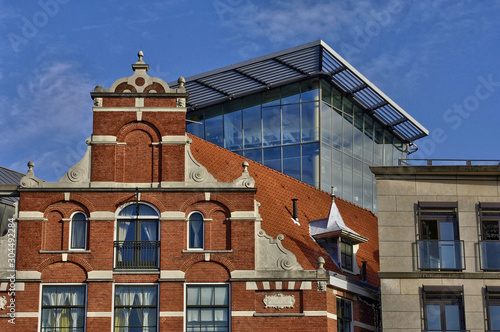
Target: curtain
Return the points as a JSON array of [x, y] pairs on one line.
[[122, 314], [78, 229], [195, 233]]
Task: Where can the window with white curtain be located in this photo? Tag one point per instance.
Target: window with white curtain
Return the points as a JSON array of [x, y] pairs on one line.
[[78, 231], [136, 308], [137, 246], [196, 231], [63, 308], [207, 308]]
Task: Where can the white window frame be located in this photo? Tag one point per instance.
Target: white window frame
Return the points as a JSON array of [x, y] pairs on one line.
[[355, 247], [208, 284], [189, 233], [117, 222], [39, 327], [137, 284], [71, 232]]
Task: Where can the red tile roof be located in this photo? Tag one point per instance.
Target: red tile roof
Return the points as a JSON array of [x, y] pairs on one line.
[[275, 191]]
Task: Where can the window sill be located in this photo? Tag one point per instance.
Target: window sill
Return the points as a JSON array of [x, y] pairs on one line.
[[76, 251], [197, 251]]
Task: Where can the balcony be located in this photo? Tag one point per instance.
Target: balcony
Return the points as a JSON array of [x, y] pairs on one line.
[[490, 255], [136, 255], [440, 255]]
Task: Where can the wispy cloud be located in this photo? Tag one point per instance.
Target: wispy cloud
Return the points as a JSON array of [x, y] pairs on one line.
[[51, 111]]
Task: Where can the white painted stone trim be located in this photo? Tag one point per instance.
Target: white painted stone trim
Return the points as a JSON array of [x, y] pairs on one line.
[[135, 109], [174, 139], [97, 274], [171, 313], [291, 285], [364, 326], [30, 214], [139, 102], [96, 314], [171, 274], [316, 313], [242, 313], [306, 285], [266, 285], [345, 285], [5, 285], [27, 314], [103, 139], [251, 285], [102, 215], [332, 316], [173, 216], [243, 215], [28, 275]]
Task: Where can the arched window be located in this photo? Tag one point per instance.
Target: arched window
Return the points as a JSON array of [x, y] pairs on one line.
[[78, 231], [137, 237], [196, 231]]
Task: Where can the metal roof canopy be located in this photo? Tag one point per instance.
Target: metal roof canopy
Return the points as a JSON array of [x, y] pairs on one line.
[[294, 64]]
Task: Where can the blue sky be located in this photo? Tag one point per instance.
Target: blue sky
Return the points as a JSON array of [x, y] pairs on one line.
[[437, 59]]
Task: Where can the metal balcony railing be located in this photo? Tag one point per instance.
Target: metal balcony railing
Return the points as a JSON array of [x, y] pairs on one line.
[[440, 255], [136, 254], [490, 255], [447, 162]]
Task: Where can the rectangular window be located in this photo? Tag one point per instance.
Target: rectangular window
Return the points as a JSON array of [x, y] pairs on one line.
[[489, 214], [346, 255], [136, 308], [344, 315], [207, 308], [439, 245], [63, 308], [443, 308], [493, 307]]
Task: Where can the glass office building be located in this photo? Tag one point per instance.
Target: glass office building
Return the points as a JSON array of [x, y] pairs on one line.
[[304, 112]]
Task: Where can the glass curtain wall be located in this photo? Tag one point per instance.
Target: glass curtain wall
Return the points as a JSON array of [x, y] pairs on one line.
[[307, 130]]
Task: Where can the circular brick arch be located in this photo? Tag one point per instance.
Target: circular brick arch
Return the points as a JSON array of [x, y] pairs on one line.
[[83, 263], [64, 272], [223, 204], [148, 127], [80, 201], [211, 271], [214, 258]]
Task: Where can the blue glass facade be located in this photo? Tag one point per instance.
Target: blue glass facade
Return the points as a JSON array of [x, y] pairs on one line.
[[307, 130]]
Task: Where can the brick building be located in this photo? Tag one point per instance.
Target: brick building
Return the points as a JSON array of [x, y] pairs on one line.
[[158, 230]]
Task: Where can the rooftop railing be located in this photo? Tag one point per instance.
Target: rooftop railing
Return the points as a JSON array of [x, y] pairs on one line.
[[447, 162]]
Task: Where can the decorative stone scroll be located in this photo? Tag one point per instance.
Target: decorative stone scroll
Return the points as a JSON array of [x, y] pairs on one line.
[[279, 301], [196, 172], [272, 256], [245, 180], [79, 172], [30, 180]]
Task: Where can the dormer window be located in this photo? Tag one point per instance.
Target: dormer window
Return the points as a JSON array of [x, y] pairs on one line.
[[346, 255], [338, 240]]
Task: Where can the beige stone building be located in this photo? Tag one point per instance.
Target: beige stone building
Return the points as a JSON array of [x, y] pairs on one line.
[[439, 247]]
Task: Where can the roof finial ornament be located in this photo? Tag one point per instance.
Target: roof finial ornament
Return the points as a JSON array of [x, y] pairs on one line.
[[30, 166], [140, 55]]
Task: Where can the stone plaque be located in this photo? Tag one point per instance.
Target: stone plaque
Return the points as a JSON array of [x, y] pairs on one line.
[[279, 301]]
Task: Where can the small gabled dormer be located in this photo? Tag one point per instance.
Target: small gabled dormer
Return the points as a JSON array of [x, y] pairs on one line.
[[338, 240]]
